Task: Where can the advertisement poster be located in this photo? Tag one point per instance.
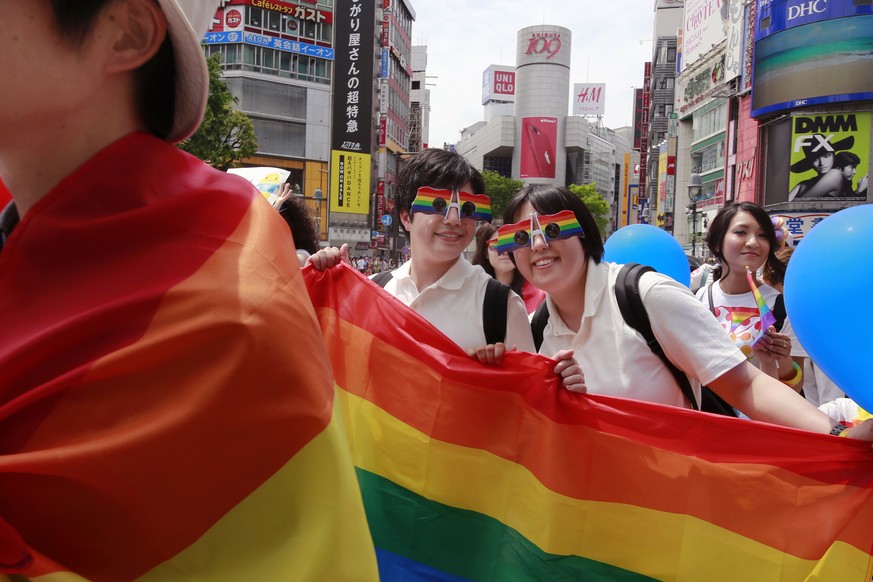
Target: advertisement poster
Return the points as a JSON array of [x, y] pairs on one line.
[[704, 26], [830, 156], [539, 140], [350, 180], [800, 223], [352, 126]]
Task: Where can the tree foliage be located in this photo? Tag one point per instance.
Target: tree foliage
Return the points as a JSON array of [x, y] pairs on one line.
[[501, 190], [226, 135], [596, 203]]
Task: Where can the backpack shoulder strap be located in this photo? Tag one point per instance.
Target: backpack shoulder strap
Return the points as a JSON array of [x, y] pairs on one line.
[[630, 303], [381, 279], [779, 312], [494, 311], [709, 297], [538, 323]]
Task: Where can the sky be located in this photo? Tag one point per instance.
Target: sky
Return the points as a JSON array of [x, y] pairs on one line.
[[611, 39]]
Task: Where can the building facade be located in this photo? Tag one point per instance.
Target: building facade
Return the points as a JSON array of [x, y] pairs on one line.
[[338, 130], [765, 88], [278, 62], [527, 133]]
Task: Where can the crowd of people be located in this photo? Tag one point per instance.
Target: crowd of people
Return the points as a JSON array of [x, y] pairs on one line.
[[372, 264]]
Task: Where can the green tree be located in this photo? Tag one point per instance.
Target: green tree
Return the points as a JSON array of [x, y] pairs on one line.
[[596, 203], [226, 135], [501, 190]]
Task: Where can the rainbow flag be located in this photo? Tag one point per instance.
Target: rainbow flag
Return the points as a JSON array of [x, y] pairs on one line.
[[767, 317], [166, 405], [481, 473]]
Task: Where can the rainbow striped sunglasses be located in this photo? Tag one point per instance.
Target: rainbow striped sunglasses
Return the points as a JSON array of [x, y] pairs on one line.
[[511, 237], [441, 200]]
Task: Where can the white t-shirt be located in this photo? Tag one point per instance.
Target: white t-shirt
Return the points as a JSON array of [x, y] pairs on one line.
[[614, 357], [453, 304], [740, 318]]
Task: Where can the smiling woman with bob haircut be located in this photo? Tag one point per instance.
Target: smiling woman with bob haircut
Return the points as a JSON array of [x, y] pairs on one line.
[[557, 247]]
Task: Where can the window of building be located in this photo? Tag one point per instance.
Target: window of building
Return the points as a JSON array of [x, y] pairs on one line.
[[671, 54], [307, 29], [255, 16], [274, 21], [416, 85], [709, 123]]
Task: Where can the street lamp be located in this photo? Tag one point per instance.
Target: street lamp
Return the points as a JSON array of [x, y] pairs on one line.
[[695, 185]]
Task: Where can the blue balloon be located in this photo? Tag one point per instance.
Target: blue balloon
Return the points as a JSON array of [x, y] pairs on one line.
[[826, 286], [649, 245]]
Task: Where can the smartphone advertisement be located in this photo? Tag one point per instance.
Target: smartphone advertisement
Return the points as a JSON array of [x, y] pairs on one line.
[[539, 140]]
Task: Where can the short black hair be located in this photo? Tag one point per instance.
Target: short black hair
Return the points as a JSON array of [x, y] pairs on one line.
[[154, 82], [774, 269], [551, 199], [435, 168], [843, 159]]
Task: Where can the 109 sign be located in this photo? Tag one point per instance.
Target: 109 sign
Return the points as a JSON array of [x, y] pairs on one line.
[[549, 43]]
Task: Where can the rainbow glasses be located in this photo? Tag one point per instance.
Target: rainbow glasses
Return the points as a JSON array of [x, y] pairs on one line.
[[511, 237], [441, 200]]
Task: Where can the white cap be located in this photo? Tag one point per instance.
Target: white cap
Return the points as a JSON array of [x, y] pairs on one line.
[[187, 22]]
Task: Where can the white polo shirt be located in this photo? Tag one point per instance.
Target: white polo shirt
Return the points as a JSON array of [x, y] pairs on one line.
[[453, 304], [614, 357]]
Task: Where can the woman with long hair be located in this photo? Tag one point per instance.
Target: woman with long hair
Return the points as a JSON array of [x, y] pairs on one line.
[[743, 239], [501, 267]]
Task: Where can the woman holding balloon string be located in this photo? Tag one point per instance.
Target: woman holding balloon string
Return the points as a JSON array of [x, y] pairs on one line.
[[743, 239], [556, 246]]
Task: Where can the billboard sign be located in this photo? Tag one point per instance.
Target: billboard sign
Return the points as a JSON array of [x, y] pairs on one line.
[[498, 84], [350, 182], [704, 26], [543, 44], [644, 124], [733, 53], [352, 120], [589, 99], [811, 53], [830, 157], [539, 140], [800, 223], [638, 117]]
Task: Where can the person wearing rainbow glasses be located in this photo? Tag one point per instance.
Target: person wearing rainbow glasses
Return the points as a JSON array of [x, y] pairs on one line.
[[439, 203], [556, 245]]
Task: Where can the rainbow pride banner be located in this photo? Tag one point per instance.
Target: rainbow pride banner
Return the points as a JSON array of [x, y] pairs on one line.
[[166, 412], [482, 473]]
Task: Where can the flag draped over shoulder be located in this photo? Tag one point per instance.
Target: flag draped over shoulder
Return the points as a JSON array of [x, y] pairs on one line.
[[166, 403], [474, 472]]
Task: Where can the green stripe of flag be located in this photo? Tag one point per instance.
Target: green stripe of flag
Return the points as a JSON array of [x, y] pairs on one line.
[[466, 543]]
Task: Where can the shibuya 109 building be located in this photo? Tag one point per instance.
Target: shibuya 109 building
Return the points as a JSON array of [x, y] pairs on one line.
[[527, 133]]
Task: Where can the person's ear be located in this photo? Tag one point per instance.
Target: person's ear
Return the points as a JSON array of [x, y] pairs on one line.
[[405, 219], [135, 30]]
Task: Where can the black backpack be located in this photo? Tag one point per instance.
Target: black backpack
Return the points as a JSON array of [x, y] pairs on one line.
[[627, 293], [493, 306]]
